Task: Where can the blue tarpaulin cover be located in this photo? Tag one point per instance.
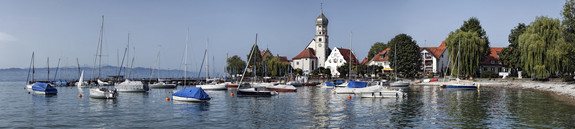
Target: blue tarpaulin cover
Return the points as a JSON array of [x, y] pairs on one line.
[[329, 84], [339, 82], [195, 92], [45, 87], [356, 84]]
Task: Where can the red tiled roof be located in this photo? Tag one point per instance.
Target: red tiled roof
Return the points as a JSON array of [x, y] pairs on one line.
[[364, 60], [377, 56], [345, 53], [306, 53], [436, 51], [283, 58], [492, 56]]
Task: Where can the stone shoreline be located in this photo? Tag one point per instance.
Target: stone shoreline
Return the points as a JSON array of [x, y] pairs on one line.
[[559, 88]]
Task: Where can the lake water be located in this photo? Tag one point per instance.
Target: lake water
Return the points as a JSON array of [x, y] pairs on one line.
[[310, 107]]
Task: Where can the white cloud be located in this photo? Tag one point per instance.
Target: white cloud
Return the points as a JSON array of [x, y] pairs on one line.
[[7, 37]]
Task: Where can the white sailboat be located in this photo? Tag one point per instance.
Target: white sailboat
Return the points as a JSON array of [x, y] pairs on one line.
[[30, 83], [397, 83], [130, 85], [251, 91], [214, 85], [457, 83], [81, 83], [160, 83]]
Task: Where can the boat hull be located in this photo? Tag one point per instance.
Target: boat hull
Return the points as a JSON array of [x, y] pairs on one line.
[[399, 84], [159, 86], [102, 93], [187, 99], [253, 92], [132, 86], [381, 94], [213, 87]]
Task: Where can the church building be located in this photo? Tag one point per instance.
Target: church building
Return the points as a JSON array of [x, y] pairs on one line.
[[315, 53]]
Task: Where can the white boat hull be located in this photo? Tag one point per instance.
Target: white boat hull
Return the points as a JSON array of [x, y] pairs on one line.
[[186, 99], [132, 86], [399, 84], [162, 85], [381, 94], [102, 93], [283, 88], [213, 87]]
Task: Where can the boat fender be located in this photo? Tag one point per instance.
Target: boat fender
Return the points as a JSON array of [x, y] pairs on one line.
[[232, 94], [167, 98], [348, 96]]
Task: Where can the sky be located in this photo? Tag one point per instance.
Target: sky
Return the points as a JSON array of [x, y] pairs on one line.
[[69, 29]]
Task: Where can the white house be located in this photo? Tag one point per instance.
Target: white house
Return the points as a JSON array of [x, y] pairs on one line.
[[319, 48], [434, 59], [306, 60], [380, 59], [338, 57]]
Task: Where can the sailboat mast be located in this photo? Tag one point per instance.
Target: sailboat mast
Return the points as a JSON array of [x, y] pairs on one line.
[[207, 61], [29, 69], [247, 65], [395, 60], [186, 57], [100, 47], [57, 68], [48, 62], [458, 64], [350, 47], [127, 53]]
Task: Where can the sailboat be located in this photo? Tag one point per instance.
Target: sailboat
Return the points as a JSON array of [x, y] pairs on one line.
[[160, 83], [397, 83], [214, 85], [130, 85], [194, 94], [29, 82], [460, 84], [250, 90], [81, 83]]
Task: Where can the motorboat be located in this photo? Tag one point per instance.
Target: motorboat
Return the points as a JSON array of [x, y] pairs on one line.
[[282, 88], [132, 86], [162, 85], [103, 93], [220, 86], [194, 94], [43, 88], [399, 84], [256, 92]]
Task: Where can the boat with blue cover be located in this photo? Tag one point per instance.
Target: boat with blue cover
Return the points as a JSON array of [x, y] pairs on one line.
[[44, 88], [194, 94]]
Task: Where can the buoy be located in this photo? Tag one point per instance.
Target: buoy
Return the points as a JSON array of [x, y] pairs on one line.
[[348, 96], [24, 88], [168, 92], [28, 92], [167, 98], [80, 96], [232, 94]]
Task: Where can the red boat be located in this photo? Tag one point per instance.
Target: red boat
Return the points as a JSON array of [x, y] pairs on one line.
[[232, 85], [282, 88]]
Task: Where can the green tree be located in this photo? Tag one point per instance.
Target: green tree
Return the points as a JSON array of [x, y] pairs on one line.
[[408, 62], [467, 46], [543, 48], [325, 71], [235, 65], [343, 70], [569, 32], [256, 60], [510, 54], [376, 48], [298, 71], [274, 66]]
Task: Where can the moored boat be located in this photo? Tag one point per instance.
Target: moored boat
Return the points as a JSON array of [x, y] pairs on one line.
[[132, 86], [282, 88], [221, 86], [162, 85], [256, 92], [194, 94], [103, 93], [44, 88]]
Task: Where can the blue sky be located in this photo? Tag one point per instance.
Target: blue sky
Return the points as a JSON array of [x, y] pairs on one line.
[[69, 29]]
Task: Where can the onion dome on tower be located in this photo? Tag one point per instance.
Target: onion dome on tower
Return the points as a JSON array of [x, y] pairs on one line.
[[321, 19]]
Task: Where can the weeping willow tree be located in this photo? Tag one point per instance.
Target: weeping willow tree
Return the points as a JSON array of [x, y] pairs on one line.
[[467, 47], [543, 50]]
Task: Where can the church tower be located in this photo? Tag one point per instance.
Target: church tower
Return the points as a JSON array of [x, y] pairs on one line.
[[321, 39]]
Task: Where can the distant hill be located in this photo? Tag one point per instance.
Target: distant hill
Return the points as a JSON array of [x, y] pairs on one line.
[[69, 73]]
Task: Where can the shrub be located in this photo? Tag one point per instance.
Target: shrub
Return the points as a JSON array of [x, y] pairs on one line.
[[489, 74]]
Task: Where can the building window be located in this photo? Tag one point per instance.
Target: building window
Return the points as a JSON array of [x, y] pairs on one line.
[[492, 62], [320, 38], [492, 69], [296, 63]]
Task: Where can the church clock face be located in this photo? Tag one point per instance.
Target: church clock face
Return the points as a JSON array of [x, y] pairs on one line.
[[319, 45]]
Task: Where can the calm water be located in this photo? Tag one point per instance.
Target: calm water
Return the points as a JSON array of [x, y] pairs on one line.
[[310, 107]]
